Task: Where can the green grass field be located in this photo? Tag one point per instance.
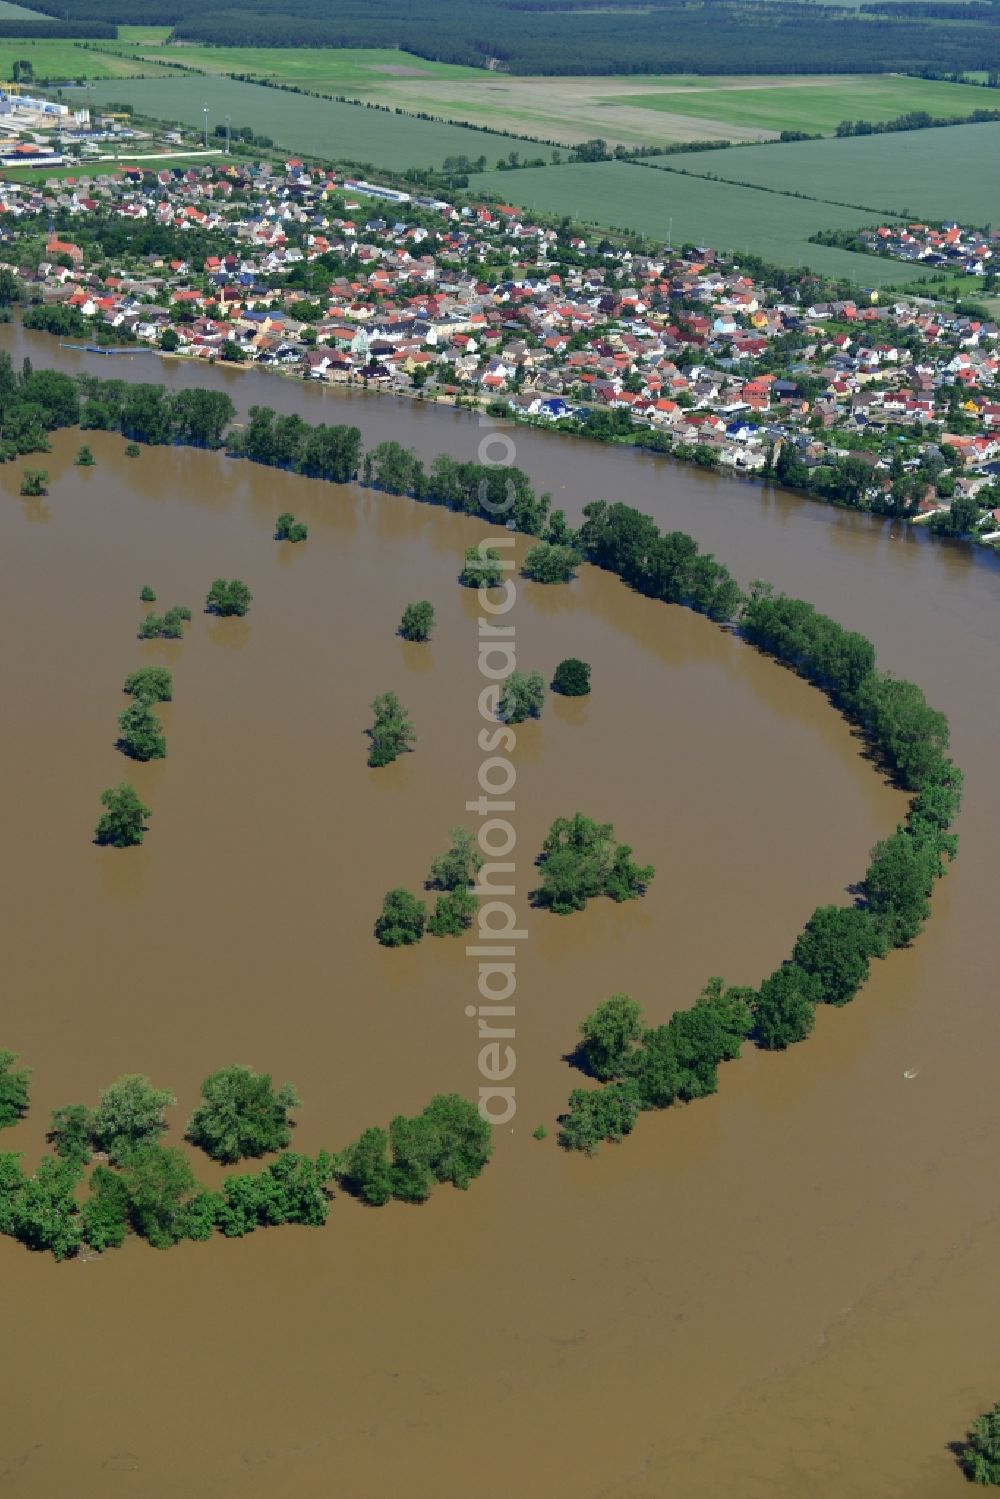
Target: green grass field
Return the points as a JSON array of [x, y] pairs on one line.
[[316, 127], [814, 104], [619, 195], [64, 59], [949, 173], [11, 12], [338, 70], [148, 36]]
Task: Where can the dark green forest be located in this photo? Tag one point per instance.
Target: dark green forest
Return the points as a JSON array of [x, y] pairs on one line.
[[581, 36]]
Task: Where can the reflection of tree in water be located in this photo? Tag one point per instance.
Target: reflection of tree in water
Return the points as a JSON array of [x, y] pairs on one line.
[[416, 658], [233, 634], [36, 511]]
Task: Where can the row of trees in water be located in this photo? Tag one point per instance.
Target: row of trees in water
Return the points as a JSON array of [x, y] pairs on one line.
[[34, 403], [143, 1187], [651, 1067]]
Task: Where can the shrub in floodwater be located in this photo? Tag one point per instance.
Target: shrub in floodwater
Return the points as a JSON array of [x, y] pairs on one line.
[[122, 825], [417, 621], [154, 683], [34, 482], [228, 597], [572, 678], [402, 920]]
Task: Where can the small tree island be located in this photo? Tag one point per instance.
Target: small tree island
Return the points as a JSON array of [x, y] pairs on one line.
[[392, 734], [581, 859], [483, 568], [287, 528], [34, 482], [522, 697], [123, 823], [418, 621], [572, 678], [228, 598], [154, 683], [402, 920]]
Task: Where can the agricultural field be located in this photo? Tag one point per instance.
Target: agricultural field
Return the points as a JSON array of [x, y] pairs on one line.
[[297, 122], [690, 209], [933, 174], [11, 12], [814, 104], [644, 110], [149, 36], [334, 69], [61, 59]]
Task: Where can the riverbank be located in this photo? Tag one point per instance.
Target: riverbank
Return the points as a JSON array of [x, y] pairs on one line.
[[730, 461]]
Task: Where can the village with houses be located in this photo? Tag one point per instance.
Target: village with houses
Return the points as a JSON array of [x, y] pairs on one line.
[[890, 406]]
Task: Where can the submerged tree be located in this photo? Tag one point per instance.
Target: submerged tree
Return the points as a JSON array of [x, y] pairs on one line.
[[142, 736], [173, 622], [572, 678], [154, 683], [980, 1457], [599, 1114], [448, 1141], [392, 733], [785, 1007], [160, 1185], [418, 621], [402, 919], [609, 1036], [522, 696], [147, 595], [581, 859], [459, 866], [123, 824], [228, 597], [84, 457], [836, 945], [483, 568], [70, 1132], [287, 528], [241, 1114], [169, 626], [129, 1114], [453, 913], [34, 482], [13, 1090], [548, 563]]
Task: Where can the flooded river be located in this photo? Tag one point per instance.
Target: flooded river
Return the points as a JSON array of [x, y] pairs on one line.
[[786, 1290]]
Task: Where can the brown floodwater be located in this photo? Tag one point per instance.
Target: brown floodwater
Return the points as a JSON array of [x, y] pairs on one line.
[[786, 1290]]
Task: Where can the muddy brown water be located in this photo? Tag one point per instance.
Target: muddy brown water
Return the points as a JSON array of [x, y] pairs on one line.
[[786, 1290]]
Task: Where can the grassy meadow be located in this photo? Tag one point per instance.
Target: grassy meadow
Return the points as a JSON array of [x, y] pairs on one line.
[[65, 59], [338, 69]]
